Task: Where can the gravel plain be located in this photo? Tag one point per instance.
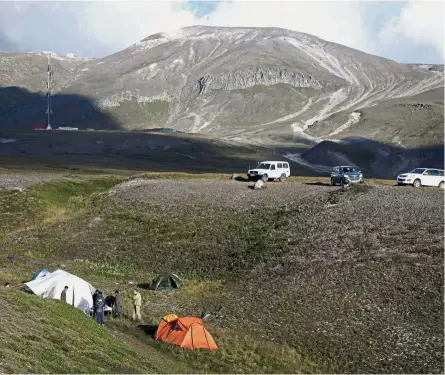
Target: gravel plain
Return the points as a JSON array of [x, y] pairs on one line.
[[359, 283]]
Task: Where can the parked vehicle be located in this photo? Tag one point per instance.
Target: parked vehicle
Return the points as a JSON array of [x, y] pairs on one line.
[[345, 174], [422, 177], [267, 170]]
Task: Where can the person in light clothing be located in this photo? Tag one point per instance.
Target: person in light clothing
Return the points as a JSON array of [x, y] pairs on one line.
[[137, 302]]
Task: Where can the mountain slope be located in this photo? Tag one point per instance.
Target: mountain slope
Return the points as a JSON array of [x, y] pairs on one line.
[[409, 121], [242, 82], [248, 80], [48, 336]]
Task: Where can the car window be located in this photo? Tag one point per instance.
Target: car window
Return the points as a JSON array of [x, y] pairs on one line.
[[280, 165], [272, 167], [286, 165], [433, 173], [418, 171], [263, 166], [442, 173]]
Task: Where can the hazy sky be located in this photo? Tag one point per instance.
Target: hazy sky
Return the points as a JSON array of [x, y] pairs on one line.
[[410, 31]]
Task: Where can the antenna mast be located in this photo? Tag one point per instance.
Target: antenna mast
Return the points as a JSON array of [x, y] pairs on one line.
[[48, 94]]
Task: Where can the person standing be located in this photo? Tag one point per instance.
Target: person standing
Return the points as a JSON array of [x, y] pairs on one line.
[[117, 305], [137, 302], [63, 294], [95, 295], [100, 304]]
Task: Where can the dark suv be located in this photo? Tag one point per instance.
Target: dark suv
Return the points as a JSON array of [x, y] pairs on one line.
[[345, 174]]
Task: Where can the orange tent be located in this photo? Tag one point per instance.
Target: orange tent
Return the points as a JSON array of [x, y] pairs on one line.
[[187, 332]]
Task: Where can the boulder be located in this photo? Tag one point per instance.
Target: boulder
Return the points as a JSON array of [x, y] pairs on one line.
[[258, 185]]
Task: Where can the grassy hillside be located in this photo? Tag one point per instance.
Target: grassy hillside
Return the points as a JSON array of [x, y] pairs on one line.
[[29, 238], [41, 336], [298, 277]]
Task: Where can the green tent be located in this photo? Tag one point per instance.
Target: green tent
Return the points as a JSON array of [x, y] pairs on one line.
[[166, 281]]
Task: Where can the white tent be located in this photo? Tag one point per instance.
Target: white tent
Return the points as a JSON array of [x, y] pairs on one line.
[[79, 292]]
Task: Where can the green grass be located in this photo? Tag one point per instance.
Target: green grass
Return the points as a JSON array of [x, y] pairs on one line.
[[49, 202], [62, 340], [241, 354], [41, 336]]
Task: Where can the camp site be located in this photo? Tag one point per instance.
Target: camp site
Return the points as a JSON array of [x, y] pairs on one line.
[[222, 187], [224, 275]]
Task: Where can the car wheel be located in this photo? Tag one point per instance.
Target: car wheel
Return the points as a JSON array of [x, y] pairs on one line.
[[264, 177], [442, 185], [417, 183], [282, 177], [342, 182]]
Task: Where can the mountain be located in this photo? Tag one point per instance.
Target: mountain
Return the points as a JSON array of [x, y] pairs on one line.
[[257, 85]]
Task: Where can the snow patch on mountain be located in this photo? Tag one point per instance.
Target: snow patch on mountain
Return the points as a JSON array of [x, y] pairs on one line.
[[354, 117]]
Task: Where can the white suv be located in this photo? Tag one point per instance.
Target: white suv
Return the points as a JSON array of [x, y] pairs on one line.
[[422, 177], [267, 170]]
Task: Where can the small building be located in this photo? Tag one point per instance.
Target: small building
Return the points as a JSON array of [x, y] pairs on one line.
[[42, 127]]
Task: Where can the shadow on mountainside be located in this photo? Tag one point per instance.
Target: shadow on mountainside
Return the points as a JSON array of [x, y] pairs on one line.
[[375, 159], [130, 150], [21, 109]]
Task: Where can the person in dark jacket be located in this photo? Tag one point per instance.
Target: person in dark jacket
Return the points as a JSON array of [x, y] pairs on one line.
[[117, 305], [63, 294], [109, 301], [100, 304], [95, 295]]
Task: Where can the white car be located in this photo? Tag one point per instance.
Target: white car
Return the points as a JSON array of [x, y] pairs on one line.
[[422, 177], [267, 170]]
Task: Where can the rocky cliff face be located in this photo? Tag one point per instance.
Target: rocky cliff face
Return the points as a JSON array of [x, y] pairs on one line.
[[255, 76]]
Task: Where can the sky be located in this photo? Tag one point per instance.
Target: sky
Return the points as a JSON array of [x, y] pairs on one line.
[[407, 31]]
